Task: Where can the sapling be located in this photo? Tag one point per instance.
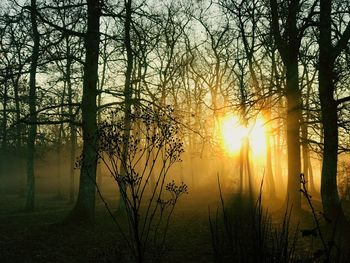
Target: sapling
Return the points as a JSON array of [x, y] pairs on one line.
[[132, 157]]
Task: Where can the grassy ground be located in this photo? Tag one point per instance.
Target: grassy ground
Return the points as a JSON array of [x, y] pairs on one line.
[[38, 236]]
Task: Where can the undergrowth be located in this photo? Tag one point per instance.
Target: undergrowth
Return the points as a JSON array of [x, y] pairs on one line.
[[243, 231]]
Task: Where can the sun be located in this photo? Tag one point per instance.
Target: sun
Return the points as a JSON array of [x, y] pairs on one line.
[[233, 133]]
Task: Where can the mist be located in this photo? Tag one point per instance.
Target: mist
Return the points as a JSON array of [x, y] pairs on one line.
[[178, 131]]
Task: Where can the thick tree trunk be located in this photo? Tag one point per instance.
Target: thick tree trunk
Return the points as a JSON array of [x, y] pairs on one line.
[[329, 191], [288, 47], [30, 196], [84, 210], [293, 133]]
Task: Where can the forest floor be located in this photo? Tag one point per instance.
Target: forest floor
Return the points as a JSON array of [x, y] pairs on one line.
[[38, 236]]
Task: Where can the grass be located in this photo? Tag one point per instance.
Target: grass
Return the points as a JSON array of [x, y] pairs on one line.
[[36, 237], [243, 231]]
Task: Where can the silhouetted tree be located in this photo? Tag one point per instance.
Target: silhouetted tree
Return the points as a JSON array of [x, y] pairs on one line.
[[288, 36], [329, 53], [32, 100], [84, 209]]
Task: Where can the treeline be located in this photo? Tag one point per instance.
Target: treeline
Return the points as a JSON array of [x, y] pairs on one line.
[[65, 62]]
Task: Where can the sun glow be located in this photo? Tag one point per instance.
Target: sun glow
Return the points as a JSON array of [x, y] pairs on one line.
[[233, 133]]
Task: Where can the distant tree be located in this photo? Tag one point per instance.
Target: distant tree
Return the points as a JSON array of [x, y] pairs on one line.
[[214, 62], [288, 34], [247, 16], [66, 55]]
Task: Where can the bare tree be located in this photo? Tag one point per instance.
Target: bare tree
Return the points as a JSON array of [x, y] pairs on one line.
[[327, 76], [288, 44], [30, 201], [84, 209]]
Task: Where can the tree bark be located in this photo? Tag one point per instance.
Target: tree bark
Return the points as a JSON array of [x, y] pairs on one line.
[[288, 47], [329, 192], [270, 181], [30, 195], [84, 210], [4, 117], [128, 91], [72, 128], [293, 133]]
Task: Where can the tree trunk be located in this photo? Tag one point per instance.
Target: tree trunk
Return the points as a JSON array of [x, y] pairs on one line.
[[293, 136], [15, 83], [329, 191], [127, 91], [4, 117], [84, 210], [288, 46], [72, 128], [270, 181], [73, 146], [30, 198], [59, 160], [307, 168]]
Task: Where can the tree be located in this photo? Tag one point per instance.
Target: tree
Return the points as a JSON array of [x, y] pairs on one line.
[[288, 44], [30, 201], [327, 76], [84, 209]]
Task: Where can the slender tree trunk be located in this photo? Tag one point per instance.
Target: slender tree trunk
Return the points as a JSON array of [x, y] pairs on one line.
[[311, 177], [18, 112], [19, 128], [59, 161], [249, 172], [127, 89], [99, 101], [72, 127], [30, 196], [59, 145], [4, 118], [3, 149], [72, 156], [84, 210], [269, 172], [307, 168], [241, 169]]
